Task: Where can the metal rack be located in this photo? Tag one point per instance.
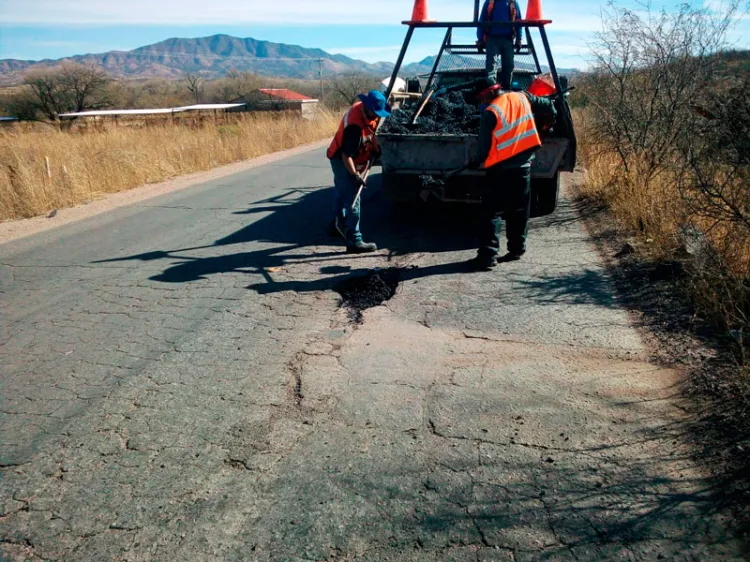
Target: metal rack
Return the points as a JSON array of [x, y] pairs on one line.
[[452, 54]]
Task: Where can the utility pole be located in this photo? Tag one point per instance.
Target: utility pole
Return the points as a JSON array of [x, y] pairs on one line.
[[320, 75]]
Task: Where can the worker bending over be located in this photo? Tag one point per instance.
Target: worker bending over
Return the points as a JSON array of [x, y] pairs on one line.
[[508, 138], [500, 39], [351, 153]]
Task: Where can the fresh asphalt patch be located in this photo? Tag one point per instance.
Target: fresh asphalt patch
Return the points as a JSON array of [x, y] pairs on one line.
[[366, 291]]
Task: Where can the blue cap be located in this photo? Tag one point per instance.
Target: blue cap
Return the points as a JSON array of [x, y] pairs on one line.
[[375, 101]]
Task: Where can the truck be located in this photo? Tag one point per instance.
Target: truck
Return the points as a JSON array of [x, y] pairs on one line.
[[423, 166]]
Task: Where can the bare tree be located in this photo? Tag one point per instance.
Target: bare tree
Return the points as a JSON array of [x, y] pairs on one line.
[[238, 85], [664, 100], [649, 71], [87, 86], [46, 95], [347, 87], [195, 85], [72, 87]]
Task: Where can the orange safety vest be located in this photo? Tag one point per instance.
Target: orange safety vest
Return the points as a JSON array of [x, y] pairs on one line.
[[515, 130], [356, 116], [513, 16]]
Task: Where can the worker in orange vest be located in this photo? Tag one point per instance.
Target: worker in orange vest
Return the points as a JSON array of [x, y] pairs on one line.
[[508, 138], [351, 153], [501, 40]]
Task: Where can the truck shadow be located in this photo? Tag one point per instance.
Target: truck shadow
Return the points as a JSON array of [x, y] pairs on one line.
[[289, 228], [294, 222]]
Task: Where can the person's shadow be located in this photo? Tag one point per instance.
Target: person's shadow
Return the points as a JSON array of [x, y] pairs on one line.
[[289, 225]]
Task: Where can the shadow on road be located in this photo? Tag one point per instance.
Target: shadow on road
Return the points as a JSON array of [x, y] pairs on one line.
[[633, 498], [293, 222], [619, 504], [296, 219], [584, 286]]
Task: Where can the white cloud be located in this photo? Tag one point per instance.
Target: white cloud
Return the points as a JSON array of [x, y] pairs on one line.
[[184, 12]]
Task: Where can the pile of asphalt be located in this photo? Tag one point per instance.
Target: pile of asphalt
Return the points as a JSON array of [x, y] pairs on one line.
[[447, 114], [366, 291]]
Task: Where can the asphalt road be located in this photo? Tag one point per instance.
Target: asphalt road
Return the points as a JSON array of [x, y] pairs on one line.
[[179, 383]]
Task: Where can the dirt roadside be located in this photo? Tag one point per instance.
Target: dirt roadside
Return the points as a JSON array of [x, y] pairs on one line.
[[715, 390]]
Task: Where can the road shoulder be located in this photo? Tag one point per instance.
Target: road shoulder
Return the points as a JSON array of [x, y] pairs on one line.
[[712, 389]]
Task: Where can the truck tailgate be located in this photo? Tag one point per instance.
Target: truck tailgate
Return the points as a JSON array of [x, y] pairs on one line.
[[437, 154], [425, 154]]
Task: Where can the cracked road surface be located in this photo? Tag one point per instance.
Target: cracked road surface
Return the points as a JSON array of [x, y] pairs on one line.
[[179, 383]]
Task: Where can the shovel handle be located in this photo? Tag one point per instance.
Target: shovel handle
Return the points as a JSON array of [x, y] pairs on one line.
[[361, 187], [422, 106]]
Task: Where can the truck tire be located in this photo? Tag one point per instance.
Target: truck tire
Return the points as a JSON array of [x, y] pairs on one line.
[[400, 188], [544, 195]]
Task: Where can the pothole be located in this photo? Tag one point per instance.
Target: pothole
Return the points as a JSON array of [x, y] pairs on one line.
[[365, 291]]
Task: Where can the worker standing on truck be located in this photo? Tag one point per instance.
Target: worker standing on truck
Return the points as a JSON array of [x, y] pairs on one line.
[[508, 138], [351, 153], [502, 39]]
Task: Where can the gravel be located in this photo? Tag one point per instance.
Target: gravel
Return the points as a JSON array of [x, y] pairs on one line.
[[366, 291], [448, 114]]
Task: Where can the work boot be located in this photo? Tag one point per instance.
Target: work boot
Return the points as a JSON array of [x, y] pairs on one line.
[[511, 256], [482, 263], [360, 247]]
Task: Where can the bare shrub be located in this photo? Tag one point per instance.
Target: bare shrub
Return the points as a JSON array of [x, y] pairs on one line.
[[195, 85], [666, 140], [347, 87]]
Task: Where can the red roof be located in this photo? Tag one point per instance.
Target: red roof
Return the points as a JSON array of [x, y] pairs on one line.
[[284, 94]]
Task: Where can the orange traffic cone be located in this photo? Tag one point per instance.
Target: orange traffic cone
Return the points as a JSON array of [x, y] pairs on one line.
[[419, 14], [534, 10]]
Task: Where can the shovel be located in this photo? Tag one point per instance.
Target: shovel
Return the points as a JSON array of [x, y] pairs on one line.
[[438, 92], [361, 187], [421, 107]]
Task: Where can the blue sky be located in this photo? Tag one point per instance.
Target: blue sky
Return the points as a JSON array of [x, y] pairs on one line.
[[37, 29]]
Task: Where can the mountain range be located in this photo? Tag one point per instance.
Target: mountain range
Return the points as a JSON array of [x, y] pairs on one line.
[[213, 57]]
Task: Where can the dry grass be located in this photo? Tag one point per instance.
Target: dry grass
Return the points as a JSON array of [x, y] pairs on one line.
[[655, 211], [41, 171], [651, 208], [654, 207]]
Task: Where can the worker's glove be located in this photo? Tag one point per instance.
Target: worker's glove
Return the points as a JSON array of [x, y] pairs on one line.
[[480, 46], [518, 46], [359, 180]]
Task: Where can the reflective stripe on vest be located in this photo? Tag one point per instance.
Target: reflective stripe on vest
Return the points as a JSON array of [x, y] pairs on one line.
[[355, 116], [515, 130]]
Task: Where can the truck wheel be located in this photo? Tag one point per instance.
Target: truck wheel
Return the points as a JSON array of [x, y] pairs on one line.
[[544, 195], [400, 188]]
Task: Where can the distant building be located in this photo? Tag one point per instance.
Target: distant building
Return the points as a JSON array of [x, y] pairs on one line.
[[8, 121], [192, 114], [278, 99]]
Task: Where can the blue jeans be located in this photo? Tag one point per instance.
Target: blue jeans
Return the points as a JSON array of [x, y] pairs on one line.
[[344, 192], [500, 46], [507, 196]]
